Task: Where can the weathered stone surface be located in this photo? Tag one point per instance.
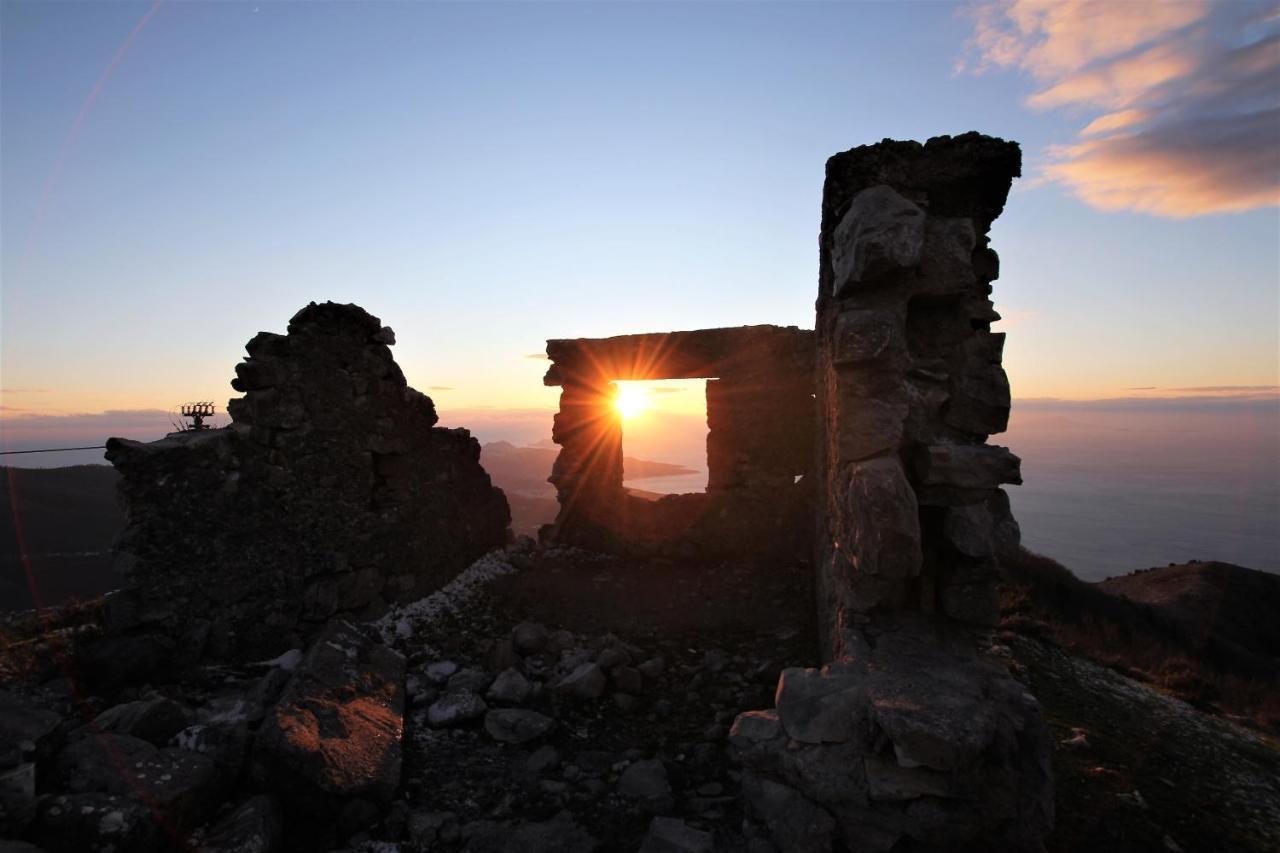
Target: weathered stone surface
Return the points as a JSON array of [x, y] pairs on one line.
[[884, 526], [331, 492], [946, 259], [671, 835], [586, 681], [516, 725], [646, 782], [456, 708], [795, 824], [560, 834], [335, 733], [530, 637], [509, 688], [821, 706], [26, 729], [940, 724], [74, 823], [889, 781], [867, 334], [181, 785], [969, 466], [155, 720], [880, 233], [869, 426], [254, 826], [970, 529]]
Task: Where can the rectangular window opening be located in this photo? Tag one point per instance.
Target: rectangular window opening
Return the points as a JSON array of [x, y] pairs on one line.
[[664, 436]]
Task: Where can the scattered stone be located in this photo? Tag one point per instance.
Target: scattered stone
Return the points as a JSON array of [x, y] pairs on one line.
[[626, 679], [440, 672], [516, 725], [179, 784], [154, 720], [586, 681], [530, 638], [471, 680], [560, 834], [544, 758], [653, 668], [671, 835], [646, 781], [453, 709], [254, 826], [509, 688], [425, 828]]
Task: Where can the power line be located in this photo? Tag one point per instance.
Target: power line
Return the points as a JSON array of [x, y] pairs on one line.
[[52, 450]]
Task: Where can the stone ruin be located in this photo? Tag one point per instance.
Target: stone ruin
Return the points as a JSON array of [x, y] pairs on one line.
[[861, 444], [332, 492], [759, 442], [912, 734]]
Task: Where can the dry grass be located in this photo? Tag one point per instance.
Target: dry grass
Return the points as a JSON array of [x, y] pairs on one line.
[[1042, 598]]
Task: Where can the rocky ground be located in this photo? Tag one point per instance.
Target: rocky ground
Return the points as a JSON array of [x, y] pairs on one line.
[[553, 701]]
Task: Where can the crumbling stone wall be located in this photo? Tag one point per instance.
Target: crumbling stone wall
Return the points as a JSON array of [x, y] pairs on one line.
[[910, 383], [914, 736], [759, 441], [332, 491]]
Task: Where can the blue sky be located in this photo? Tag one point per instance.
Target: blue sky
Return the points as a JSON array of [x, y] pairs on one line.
[[485, 176]]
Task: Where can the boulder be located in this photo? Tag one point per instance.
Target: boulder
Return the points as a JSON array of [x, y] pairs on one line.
[[586, 681], [74, 823], [795, 824], [155, 720], [254, 826], [182, 786], [454, 709], [671, 835], [515, 725], [646, 782], [530, 638], [509, 688], [336, 731]]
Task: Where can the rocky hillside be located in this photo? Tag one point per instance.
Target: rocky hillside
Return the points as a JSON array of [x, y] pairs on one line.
[[546, 700]]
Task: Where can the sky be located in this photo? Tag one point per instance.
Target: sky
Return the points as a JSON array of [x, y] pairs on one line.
[[176, 176]]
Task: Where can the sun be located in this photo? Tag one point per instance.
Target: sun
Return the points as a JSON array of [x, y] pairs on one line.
[[631, 401]]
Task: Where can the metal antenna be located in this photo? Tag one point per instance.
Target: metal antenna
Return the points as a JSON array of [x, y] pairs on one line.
[[197, 412]]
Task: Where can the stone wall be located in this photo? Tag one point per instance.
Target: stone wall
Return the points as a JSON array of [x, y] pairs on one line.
[[331, 492], [914, 736], [910, 383], [759, 442]]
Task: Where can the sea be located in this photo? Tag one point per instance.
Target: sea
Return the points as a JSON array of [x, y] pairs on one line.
[[1111, 487]]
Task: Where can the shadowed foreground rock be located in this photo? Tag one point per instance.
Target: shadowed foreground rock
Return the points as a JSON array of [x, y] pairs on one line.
[[332, 491], [334, 735]]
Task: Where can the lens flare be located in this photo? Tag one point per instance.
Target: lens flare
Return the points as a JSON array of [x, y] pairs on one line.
[[631, 401]]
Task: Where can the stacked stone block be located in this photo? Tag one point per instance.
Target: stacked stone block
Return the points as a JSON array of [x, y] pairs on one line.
[[914, 736], [910, 384]]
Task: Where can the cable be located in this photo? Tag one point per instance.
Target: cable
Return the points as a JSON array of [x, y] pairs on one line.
[[52, 450]]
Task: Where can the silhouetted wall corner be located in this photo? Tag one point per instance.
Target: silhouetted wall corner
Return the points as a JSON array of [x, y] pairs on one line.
[[331, 492]]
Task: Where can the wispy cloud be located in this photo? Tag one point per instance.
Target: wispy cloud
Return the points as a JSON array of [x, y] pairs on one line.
[[537, 356], [1184, 97], [440, 388]]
